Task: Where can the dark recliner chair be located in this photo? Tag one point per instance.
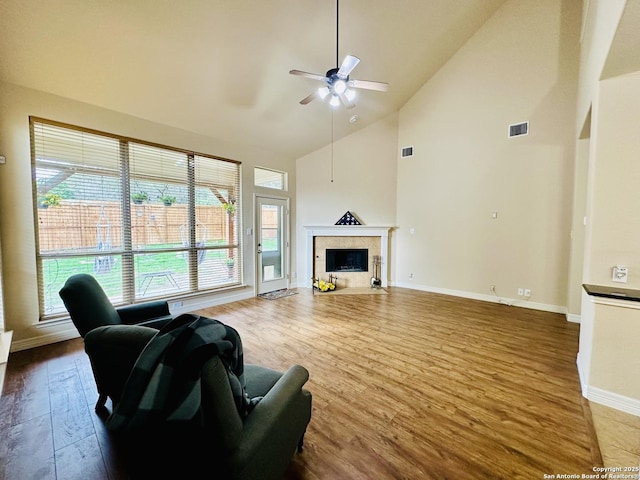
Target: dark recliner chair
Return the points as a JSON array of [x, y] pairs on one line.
[[89, 307], [259, 446]]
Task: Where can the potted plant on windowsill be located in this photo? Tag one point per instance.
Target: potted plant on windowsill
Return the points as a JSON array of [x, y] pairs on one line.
[[139, 197], [230, 262]]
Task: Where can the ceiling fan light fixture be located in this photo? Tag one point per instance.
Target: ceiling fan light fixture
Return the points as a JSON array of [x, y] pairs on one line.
[[350, 94], [323, 92], [339, 86]]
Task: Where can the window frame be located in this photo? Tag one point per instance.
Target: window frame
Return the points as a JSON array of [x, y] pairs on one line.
[[127, 251], [281, 174]]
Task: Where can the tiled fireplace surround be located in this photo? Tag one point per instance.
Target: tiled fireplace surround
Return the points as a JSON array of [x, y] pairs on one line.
[[319, 238]]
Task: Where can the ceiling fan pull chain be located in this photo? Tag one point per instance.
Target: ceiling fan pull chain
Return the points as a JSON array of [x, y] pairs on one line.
[[332, 114]]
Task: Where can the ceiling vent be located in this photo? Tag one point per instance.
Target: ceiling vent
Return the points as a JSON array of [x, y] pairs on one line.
[[518, 129], [407, 152]]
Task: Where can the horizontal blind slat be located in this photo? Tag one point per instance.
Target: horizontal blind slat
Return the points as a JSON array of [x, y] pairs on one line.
[[163, 246]]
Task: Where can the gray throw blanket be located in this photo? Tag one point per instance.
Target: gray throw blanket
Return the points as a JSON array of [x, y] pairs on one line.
[[164, 385]]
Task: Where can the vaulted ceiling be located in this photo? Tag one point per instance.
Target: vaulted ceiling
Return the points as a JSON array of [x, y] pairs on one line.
[[221, 67]]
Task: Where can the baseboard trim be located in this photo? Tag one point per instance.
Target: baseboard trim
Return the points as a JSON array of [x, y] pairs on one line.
[[605, 397], [573, 318], [613, 400], [45, 339], [511, 302]]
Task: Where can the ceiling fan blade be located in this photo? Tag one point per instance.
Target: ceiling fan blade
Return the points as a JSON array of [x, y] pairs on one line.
[[345, 101], [308, 99], [315, 76], [348, 64], [368, 85]]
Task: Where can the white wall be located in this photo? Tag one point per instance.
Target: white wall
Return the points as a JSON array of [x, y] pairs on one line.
[[364, 182], [521, 65], [600, 21], [610, 329], [16, 209], [579, 215], [608, 354], [614, 217]]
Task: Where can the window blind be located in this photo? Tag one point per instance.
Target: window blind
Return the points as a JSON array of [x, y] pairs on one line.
[[148, 221]]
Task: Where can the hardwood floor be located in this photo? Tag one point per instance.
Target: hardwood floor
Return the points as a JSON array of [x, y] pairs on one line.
[[408, 385]]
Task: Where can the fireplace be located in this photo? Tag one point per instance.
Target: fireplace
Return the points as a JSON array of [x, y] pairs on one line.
[[347, 260], [322, 239]]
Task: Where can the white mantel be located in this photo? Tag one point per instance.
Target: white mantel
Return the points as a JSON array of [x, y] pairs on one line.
[[348, 231]]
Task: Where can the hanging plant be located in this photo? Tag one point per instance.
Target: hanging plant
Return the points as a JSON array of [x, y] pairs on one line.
[[168, 200], [165, 198], [49, 200], [139, 197], [230, 208]]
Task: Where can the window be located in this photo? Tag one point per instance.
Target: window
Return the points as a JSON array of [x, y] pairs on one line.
[[270, 178], [147, 221]]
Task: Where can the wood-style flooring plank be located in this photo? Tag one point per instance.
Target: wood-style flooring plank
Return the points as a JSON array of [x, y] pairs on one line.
[[408, 385], [419, 385]]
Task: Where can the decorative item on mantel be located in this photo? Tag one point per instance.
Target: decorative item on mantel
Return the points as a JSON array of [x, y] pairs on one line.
[[348, 219]]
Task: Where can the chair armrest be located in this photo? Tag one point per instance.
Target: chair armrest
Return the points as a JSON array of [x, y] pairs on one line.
[[113, 351], [274, 427], [140, 312]]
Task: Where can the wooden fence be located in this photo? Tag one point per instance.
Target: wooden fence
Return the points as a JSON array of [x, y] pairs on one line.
[[89, 225]]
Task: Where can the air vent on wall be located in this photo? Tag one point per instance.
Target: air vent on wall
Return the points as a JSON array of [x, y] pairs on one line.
[[407, 152], [518, 129]]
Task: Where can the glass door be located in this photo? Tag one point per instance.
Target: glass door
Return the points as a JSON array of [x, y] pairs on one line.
[[272, 248]]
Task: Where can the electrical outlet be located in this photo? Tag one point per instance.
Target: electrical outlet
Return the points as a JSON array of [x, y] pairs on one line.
[[620, 274], [527, 292], [411, 276], [520, 292]]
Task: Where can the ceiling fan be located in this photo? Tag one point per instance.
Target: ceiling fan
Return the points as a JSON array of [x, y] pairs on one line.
[[338, 85]]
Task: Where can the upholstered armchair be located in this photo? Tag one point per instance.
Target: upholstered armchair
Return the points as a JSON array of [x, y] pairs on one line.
[[89, 307], [258, 446], [226, 444]]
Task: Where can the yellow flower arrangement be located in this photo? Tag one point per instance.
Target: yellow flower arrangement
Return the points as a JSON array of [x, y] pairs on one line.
[[324, 286]]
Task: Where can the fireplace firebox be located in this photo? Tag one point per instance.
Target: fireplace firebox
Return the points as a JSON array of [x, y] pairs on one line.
[[347, 259]]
